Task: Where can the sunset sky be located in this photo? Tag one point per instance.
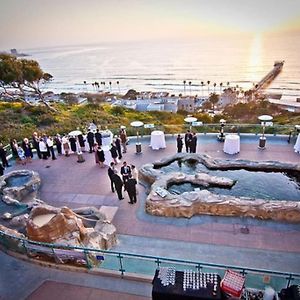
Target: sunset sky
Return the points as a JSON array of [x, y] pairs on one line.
[[38, 23]]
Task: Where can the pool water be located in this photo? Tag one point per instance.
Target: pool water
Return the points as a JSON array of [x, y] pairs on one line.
[[17, 180], [261, 185]]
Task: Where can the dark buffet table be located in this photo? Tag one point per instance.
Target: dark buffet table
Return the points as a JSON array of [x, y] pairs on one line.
[[176, 292]]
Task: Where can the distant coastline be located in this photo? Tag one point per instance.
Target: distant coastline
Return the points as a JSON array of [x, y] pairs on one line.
[[15, 53]]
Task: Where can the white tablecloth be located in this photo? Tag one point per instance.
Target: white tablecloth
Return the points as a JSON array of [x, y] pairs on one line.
[[232, 144], [157, 140], [297, 145]]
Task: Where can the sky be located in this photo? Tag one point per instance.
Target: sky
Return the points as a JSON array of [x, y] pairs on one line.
[[41, 23]]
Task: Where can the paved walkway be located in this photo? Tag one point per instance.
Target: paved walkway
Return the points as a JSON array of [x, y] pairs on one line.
[[66, 182]]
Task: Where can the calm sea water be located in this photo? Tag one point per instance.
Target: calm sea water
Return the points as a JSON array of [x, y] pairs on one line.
[[162, 66]]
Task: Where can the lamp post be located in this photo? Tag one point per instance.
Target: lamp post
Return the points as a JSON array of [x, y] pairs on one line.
[[221, 136], [262, 139], [138, 145], [190, 120]]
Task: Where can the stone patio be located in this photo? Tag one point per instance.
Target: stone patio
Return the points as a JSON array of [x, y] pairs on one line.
[[66, 182]]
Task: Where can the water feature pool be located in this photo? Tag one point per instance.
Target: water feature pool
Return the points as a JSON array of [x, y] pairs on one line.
[[254, 184], [17, 180]]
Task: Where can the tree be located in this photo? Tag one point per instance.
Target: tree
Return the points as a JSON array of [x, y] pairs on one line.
[[184, 82], [118, 84], [208, 82], [190, 84], [221, 85], [215, 87], [202, 84], [213, 99], [20, 77]]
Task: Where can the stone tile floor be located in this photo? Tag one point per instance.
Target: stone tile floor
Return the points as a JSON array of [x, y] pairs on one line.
[[66, 182]]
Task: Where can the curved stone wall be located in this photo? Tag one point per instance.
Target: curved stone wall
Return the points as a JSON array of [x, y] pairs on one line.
[[162, 203]]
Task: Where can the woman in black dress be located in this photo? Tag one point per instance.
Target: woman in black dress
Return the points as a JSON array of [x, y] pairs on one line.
[[101, 156], [72, 141], [114, 153]]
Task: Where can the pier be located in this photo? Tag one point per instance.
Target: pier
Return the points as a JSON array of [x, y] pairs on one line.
[[278, 65]]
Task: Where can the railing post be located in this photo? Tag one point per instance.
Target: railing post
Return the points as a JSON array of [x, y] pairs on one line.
[[121, 265], [289, 280], [199, 267], [158, 262], [89, 266]]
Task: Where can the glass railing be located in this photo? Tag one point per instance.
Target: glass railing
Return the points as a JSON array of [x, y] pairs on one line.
[[288, 130], [136, 264]]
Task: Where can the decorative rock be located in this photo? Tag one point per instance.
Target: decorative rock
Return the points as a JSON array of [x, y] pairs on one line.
[[201, 202]]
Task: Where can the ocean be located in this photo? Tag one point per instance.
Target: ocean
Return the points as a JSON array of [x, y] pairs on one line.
[[164, 65]]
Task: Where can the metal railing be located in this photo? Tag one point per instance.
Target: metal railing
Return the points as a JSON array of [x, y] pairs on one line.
[[138, 264], [256, 129]]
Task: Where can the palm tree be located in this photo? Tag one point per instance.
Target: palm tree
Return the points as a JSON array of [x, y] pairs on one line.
[[110, 85], [215, 87], [118, 84], [202, 84], [190, 84], [184, 82], [228, 84], [93, 84], [221, 85], [208, 82]]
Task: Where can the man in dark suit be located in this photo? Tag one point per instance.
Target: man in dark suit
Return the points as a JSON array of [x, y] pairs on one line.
[[125, 172], [98, 137], [111, 172], [179, 143], [187, 141], [35, 142], [90, 139], [131, 189], [118, 146], [194, 143], [118, 184], [3, 156]]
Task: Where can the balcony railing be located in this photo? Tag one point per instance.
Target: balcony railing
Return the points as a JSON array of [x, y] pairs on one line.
[[137, 264]]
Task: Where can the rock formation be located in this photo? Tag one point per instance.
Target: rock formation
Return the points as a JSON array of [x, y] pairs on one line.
[[201, 202]]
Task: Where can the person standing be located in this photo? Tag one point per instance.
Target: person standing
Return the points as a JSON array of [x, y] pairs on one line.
[[1, 169], [72, 141], [101, 156], [43, 149], [98, 137], [114, 153], [125, 172], [90, 139], [35, 142], [27, 150], [194, 143], [187, 140], [134, 173], [118, 146], [118, 184], [66, 146], [111, 171], [179, 143], [50, 144], [14, 149], [81, 142], [131, 189], [21, 155], [3, 156], [57, 141], [123, 138]]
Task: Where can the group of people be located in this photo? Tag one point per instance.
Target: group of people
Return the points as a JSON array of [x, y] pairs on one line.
[[190, 141], [127, 178], [116, 148]]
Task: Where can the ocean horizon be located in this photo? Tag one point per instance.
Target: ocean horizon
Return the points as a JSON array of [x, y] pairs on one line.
[[164, 65]]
